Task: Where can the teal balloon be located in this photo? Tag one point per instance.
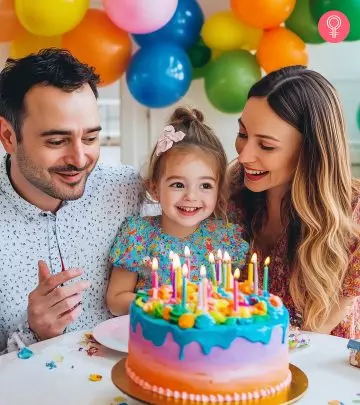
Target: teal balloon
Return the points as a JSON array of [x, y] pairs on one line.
[[358, 117], [199, 54], [228, 80], [302, 22], [351, 8]]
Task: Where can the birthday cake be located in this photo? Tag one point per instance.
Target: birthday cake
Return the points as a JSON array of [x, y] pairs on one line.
[[204, 343]]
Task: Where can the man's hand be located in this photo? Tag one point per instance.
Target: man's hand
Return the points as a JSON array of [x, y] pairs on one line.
[[51, 306]]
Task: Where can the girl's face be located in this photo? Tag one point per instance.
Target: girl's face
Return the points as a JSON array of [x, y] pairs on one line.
[[187, 191], [268, 147]]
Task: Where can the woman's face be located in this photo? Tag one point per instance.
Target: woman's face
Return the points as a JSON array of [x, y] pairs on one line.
[[268, 147]]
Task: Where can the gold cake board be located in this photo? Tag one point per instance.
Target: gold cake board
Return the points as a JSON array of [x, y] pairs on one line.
[[297, 388]]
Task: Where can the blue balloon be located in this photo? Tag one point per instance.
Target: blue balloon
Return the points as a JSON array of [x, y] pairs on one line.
[[159, 75], [183, 28]]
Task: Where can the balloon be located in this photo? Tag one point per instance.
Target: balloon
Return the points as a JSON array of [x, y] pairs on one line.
[[199, 73], [50, 18], [222, 31], [262, 13], [351, 8], [4, 53], [281, 47], [107, 48], [183, 28], [303, 23], [29, 43], [159, 75], [9, 22], [140, 16], [199, 54], [228, 80]]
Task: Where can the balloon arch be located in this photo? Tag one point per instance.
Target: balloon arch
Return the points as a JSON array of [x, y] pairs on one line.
[[229, 50]]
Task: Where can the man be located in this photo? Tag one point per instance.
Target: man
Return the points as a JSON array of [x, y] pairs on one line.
[[60, 210]]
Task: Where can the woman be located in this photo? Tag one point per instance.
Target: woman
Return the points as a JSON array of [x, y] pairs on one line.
[[294, 194]]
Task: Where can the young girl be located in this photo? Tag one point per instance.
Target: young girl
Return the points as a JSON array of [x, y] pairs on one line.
[[187, 177]]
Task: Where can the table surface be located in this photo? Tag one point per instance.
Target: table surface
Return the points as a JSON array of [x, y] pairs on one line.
[[31, 382]]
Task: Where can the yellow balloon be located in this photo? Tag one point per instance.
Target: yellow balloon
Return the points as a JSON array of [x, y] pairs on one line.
[[224, 32], [29, 43], [50, 17]]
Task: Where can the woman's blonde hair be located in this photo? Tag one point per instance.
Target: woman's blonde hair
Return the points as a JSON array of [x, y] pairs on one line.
[[198, 136], [318, 209]]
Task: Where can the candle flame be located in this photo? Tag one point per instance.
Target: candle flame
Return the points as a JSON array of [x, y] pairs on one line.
[[187, 251], [237, 274], [176, 262], [219, 254], [155, 264], [171, 255], [185, 270], [202, 271], [254, 258], [211, 258], [267, 261], [227, 257]]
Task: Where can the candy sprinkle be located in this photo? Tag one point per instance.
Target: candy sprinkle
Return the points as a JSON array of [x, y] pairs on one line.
[[95, 377], [50, 365]]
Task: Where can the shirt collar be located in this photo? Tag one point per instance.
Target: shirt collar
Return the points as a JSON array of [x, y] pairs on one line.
[[26, 209]]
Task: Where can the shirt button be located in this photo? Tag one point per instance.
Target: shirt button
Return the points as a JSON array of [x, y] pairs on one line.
[[44, 214]]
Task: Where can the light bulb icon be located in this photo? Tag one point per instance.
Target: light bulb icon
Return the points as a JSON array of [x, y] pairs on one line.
[[333, 22]]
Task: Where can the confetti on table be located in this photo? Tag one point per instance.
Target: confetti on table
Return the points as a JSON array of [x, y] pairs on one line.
[[119, 401], [50, 365], [58, 359], [25, 353], [95, 377], [335, 402], [356, 401]]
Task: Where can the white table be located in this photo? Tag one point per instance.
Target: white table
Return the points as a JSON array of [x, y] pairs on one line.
[[30, 382]]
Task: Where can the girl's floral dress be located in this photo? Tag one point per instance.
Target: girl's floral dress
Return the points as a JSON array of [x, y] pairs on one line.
[[140, 239]]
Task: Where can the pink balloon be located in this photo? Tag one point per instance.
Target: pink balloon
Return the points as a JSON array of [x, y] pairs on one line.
[[140, 16]]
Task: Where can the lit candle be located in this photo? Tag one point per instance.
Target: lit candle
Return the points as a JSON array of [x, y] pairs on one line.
[[213, 269], [218, 267], [236, 289], [172, 274], [251, 274], [266, 275], [177, 275], [184, 285], [224, 269], [256, 274], [204, 289], [155, 277], [187, 260], [227, 260]]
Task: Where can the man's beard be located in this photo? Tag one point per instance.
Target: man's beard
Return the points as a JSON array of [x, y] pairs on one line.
[[34, 175]]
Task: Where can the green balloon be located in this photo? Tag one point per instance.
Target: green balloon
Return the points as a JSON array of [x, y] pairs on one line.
[[351, 8], [303, 23], [228, 80], [199, 73], [199, 54]]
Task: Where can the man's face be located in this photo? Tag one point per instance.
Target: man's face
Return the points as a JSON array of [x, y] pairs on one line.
[[60, 141]]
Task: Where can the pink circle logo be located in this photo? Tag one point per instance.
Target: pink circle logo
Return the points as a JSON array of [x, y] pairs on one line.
[[334, 26]]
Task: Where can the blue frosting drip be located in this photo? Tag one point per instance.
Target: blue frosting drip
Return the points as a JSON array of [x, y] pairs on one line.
[[156, 330]]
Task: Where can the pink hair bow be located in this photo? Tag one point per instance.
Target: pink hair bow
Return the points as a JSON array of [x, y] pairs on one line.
[[167, 139]]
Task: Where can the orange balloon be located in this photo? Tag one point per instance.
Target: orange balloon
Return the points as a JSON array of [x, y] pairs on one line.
[[98, 42], [263, 13], [29, 43], [281, 47], [9, 23]]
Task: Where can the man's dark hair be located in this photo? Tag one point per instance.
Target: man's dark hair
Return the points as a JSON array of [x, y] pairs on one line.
[[49, 67]]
